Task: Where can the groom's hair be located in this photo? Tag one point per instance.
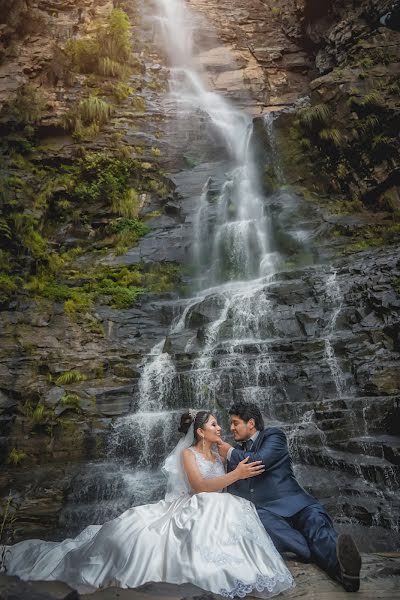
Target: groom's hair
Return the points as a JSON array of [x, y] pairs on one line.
[[247, 411]]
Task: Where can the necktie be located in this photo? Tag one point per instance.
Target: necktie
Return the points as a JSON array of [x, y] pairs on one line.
[[246, 446]]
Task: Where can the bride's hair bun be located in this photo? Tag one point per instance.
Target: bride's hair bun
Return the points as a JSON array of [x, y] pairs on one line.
[[186, 421], [199, 418]]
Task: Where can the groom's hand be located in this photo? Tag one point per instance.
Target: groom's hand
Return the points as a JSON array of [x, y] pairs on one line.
[[223, 448]]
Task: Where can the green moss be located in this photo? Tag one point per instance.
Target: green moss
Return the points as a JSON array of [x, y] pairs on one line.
[[9, 284], [139, 103], [80, 302], [121, 296], [154, 214], [374, 237], [132, 225], [162, 277], [363, 245], [126, 234]]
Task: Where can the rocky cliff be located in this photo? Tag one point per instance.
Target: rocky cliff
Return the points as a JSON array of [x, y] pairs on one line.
[[99, 190]]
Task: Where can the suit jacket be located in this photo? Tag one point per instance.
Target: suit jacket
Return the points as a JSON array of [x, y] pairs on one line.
[[276, 489]]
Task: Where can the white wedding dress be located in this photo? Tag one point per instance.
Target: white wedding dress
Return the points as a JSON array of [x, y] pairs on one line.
[[214, 541]]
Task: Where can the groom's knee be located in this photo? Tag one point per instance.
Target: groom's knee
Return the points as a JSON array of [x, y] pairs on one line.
[[284, 537]]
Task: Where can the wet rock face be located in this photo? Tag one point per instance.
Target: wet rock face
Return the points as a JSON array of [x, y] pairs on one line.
[[344, 56], [327, 370]]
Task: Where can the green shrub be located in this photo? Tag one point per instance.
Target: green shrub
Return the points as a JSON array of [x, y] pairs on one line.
[[28, 105], [121, 296], [79, 302], [115, 40], [381, 141], [84, 54], [162, 277], [69, 377], [127, 204], [367, 125], [16, 457], [94, 110], [70, 400], [371, 100], [108, 53], [8, 286], [342, 170], [134, 225], [5, 230], [32, 241], [315, 117], [331, 135], [112, 68], [121, 92]]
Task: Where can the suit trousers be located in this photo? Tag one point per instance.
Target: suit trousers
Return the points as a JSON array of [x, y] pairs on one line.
[[308, 533]]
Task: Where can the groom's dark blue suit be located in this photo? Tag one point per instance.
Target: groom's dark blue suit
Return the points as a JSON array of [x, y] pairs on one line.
[[295, 521]]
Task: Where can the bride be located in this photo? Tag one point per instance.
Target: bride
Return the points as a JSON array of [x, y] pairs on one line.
[[196, 535]]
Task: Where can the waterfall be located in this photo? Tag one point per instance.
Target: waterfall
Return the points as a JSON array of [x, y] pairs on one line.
[[239, 232], [334, 296], [252, 328]]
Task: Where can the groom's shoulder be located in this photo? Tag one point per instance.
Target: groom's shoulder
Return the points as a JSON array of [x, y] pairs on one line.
[[274, 431]]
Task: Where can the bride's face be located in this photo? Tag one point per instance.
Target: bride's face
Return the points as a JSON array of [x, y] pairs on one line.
[[211, 430]]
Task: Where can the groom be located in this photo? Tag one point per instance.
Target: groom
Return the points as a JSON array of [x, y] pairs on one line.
[[295, 520]]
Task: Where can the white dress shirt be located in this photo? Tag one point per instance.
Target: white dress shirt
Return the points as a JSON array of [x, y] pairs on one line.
[[252, 438]]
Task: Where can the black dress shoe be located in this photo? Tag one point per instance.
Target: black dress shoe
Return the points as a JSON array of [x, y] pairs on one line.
[[349, 560]]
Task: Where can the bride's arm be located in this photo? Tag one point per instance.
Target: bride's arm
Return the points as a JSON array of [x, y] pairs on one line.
[[244, 470]]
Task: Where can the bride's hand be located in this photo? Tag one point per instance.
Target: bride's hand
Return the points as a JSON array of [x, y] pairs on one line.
[[245, 469]]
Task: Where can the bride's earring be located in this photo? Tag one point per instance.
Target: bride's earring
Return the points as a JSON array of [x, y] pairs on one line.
[[203, 443]]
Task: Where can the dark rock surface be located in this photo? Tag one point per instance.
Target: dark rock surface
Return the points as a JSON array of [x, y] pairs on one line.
[[380, 579], [344, 433]]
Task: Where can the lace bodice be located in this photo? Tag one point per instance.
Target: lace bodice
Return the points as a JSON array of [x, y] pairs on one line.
[[207, 468]]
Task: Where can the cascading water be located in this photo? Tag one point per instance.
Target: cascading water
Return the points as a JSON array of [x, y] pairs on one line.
[[236, 224], [334, 296]]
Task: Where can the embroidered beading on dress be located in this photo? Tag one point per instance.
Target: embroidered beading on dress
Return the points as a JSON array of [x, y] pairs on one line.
[[209, 469], [242, 589], [217, 557], [247, 527]]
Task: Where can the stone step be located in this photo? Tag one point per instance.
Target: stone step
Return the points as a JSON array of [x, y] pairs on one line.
[[332, 424], [381, 446], [377, 470]]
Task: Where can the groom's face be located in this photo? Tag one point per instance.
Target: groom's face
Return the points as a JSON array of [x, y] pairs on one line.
[[241, 430]]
